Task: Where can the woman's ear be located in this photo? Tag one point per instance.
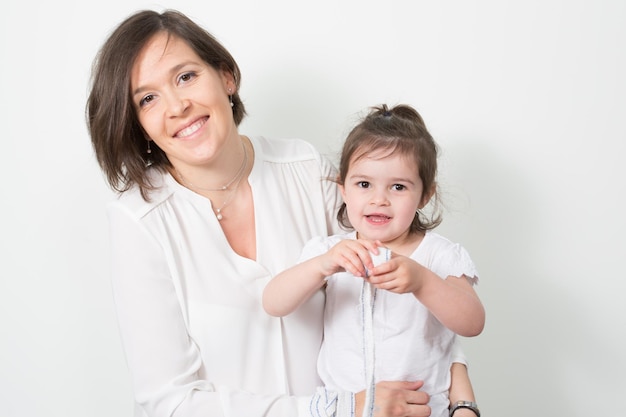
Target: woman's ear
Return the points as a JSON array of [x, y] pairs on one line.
[[229, 81]]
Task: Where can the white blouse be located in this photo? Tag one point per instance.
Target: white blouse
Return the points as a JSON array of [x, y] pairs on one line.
[[196, 338]]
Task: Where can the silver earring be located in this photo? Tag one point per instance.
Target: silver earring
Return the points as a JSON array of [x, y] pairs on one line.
[[230, 97], [149, 152]]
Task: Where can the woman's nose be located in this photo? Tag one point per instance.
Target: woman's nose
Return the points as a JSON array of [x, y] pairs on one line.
[[176, 105]]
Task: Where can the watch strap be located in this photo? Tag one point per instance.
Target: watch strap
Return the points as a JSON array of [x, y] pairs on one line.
[[465, 404]]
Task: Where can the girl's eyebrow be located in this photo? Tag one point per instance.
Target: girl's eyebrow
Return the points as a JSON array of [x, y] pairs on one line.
[[407, 180], [359, 176]]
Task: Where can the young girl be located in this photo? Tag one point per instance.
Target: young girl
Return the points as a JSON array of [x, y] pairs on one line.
[[387, 176]]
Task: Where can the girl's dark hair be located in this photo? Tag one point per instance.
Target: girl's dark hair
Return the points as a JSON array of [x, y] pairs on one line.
[[400, 130], [119, 141]]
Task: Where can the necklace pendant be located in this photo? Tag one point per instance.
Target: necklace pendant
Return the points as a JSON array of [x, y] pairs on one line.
[[219, 214]]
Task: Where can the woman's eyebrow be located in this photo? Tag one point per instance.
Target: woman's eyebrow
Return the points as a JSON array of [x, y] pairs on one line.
[[172, 70]]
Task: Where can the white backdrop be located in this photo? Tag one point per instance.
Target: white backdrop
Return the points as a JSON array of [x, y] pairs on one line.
[[527, 100]]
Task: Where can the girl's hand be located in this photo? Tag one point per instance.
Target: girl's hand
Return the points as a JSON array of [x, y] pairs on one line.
[[400, 275], [452, 301], [348, 255], [396, 399]]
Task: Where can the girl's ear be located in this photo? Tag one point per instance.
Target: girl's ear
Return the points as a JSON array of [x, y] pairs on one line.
[[342, 189], [427, 195]]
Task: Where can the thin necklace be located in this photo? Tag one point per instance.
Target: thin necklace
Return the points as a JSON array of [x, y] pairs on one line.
[[236, 179], [227, 185], [218, 212]]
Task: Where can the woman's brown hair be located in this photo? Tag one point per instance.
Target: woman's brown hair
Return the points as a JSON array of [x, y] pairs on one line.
[[397, 130], [119, 142]]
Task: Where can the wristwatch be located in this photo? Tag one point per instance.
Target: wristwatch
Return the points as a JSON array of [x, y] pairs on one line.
[[465, 404]]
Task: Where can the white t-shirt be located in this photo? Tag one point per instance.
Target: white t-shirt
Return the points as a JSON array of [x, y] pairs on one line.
[[410, 343], [196, 338]]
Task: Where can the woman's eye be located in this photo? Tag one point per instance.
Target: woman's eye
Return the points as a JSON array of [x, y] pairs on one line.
[[188, 76], [147, 99], [363, 184]]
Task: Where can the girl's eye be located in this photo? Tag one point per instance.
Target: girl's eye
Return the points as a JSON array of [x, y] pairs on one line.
[[146, 100], [398, 187], [363, 184]]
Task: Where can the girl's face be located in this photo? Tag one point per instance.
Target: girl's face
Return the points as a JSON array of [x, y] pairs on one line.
[[182, 102], [382, 193]]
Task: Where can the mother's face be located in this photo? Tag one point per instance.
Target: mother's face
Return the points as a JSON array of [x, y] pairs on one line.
[[181, 101]]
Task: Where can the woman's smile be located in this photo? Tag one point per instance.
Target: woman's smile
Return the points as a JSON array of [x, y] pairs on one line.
[[191, 129]]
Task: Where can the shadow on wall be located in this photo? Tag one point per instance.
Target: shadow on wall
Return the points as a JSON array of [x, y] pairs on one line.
[[538, 343], [297, 102]]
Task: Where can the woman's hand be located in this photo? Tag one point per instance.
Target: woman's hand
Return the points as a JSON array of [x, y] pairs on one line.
[[396, 399]]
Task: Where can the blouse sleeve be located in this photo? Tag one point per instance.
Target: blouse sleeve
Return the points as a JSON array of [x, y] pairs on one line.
[[332, 195], [162, 359], [461, 264], [458, 356]]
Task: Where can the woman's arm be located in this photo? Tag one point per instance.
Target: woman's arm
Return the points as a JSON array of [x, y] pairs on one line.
[[461, 389], [162, 359], [460, 384]]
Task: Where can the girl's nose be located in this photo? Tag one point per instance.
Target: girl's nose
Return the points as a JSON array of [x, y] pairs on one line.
[[380, 198]]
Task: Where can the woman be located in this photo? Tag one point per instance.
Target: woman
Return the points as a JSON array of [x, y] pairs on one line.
[[205, 218]]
